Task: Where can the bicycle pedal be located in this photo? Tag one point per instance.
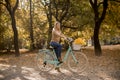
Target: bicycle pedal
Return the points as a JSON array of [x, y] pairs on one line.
[[44, 64], [60, 63]]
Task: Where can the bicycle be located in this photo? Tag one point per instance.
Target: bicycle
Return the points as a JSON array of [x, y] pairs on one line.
[[47, 60]]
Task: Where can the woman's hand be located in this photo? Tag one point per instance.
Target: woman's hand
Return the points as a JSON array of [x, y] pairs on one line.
[[69, 39]]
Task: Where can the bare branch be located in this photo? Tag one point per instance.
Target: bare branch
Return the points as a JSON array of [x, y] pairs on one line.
[[92, 4], [56, 9], [8, 6], [16, 5], [3, 3], [115, 1], [77, 27], [105, 5], [66, 10], [100, 4], [70, 27]]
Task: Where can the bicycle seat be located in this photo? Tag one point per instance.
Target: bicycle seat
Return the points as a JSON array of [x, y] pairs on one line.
[[51, 47]]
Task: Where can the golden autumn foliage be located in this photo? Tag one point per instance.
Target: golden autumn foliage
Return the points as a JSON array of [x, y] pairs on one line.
[[79, 41], [12, 2]]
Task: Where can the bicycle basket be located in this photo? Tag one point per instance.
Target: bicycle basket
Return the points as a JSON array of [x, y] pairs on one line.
[[76, 46]]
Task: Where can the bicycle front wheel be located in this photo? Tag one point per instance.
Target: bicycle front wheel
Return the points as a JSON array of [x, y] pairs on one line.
[[77, 62], [43, 61]]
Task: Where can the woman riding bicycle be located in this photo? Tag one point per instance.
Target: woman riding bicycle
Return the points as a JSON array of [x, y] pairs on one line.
[[56, 35], [46, 60]]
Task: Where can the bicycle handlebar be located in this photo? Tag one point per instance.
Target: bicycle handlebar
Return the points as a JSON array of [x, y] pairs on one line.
[[69, 40]]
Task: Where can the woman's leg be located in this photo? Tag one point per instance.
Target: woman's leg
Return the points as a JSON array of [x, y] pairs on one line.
[[58, 48]]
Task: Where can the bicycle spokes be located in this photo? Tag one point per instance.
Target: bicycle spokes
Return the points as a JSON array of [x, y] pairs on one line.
[[77, 62], [43, 61]]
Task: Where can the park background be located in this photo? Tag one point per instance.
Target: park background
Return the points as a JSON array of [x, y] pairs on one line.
[[26, 25]]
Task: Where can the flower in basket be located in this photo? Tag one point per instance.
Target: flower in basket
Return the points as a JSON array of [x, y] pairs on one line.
[[79, 41]]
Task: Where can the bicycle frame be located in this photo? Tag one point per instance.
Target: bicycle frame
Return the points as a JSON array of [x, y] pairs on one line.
[[46, 51], [47, 60], [69, 52], [55, 61]]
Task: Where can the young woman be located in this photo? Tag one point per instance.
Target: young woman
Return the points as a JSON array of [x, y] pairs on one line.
[[56, 35]]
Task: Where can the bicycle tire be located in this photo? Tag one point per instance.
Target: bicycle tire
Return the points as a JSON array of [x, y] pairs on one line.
[[41, 60], [82, 62]]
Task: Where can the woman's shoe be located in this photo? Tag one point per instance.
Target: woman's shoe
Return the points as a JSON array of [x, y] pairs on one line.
[[60, 60], [58, 69]]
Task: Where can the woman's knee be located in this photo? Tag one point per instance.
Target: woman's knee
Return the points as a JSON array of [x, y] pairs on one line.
[[60, 46]]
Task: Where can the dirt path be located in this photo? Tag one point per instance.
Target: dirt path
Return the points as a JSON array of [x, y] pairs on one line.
[[106, 67]]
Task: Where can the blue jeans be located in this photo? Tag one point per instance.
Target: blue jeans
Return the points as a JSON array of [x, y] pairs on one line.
[[57, 47]]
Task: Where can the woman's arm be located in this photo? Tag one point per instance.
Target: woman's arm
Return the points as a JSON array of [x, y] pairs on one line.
[[63, 36], [60, 34]]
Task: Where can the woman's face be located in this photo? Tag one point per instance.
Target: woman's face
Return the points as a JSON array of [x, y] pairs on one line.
[[58, 26]]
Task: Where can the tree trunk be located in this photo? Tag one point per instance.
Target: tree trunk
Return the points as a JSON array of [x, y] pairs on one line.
[[98, 20], [32, 46], [49, 34], [97, 46], [49, 16], [16, 46], [11, 11]]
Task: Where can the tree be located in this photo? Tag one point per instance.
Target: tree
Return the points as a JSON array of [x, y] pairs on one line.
[[98, 18], [11, 7], [31, 27]]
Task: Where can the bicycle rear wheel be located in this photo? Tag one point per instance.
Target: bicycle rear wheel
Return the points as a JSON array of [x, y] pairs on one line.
[[42, 61], [80, 64]]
